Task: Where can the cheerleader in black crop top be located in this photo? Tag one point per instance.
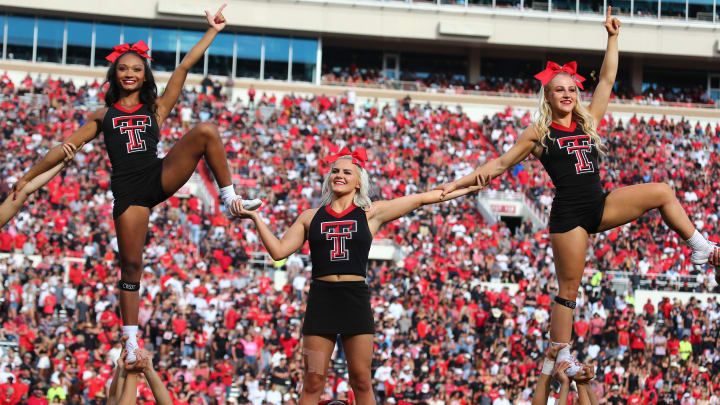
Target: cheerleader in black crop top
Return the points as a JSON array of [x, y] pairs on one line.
[[340, 233], [130, 124], [568, 149], [571, 160]]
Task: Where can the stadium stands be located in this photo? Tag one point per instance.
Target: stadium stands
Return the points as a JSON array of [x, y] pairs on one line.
[[226, 330]]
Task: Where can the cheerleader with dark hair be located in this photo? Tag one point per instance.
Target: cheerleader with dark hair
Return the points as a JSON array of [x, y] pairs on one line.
[[140, 180]]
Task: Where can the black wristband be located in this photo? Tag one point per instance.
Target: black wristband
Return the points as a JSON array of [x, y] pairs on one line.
[[125, 286], [565, 303]]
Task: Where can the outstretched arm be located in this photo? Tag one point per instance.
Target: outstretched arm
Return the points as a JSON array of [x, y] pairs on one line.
[[389, 210], [167, 101], [84, 134], [606, 81], [14, 202], [494, 168], [289, 243]]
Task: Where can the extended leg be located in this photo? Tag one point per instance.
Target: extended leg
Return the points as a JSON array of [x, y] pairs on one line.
[[569, 250], [131, 228], [629, 203]]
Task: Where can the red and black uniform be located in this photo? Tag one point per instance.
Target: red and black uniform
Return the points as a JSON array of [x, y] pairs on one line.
[[131, 138], [339, 244], [571, 160]]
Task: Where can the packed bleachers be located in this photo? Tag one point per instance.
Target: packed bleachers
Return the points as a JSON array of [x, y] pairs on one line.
[[224, 331], [653, 93]]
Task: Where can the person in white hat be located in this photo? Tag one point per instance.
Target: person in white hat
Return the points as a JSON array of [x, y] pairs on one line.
[[502, 399]]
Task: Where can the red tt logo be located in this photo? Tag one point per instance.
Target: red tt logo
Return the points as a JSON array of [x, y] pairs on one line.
[[579, 145], [133, 126], [338, 232]]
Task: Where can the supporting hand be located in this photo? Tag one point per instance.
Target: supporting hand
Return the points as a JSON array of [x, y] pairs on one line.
[[70, 151], [586, 374], [559, 373], [553, 350]]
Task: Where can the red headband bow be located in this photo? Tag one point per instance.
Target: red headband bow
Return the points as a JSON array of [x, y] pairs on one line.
[[118, 50], [359, 156], [553, 69]]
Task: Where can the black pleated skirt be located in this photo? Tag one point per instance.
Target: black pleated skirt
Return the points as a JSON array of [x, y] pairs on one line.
[[341, 307]]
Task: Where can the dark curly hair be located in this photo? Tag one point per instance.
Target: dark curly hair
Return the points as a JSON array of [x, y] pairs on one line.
[[148, 91]]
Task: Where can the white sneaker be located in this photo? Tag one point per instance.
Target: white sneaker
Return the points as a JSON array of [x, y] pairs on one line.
[[252, 205], [249, 205], [572, 370], [131, 346], [700, 257]]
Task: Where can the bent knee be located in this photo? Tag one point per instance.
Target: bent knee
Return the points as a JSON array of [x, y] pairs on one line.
[[207, 129], [665, 192]]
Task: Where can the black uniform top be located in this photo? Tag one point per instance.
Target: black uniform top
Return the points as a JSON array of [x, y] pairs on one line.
[[339, 242], [131, 137], [571, 159]]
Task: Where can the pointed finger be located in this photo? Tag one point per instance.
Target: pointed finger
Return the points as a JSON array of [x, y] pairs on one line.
[[607, 15], [221, 8], [207, 13]]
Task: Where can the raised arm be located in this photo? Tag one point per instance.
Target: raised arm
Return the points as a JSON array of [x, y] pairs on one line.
[[564, 381], [482, 176], [160, 392], [167, 101], [118, 381], [606, 81], [56, 155], [289, 243], [542, 390], [129, 390]]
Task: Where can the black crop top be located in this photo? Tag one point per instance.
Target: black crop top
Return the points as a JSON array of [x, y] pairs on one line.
[[571, 159], [339, 242], [131, 137]]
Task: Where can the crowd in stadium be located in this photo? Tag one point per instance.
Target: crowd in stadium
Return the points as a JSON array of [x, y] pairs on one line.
[[653, 93], [223, 330]]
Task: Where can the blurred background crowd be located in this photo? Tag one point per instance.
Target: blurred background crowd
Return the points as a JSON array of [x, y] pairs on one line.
[[223, 321]]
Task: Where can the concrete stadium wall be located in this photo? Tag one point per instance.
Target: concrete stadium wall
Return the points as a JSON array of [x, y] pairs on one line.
[[474, 26]]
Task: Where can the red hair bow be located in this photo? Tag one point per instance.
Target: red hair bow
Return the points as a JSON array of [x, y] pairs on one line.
[[553, 69], [359, 156], [118, 50]]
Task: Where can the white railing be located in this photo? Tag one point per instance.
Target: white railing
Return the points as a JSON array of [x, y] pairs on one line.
[[549, 9], [421, 87], [646, 281]]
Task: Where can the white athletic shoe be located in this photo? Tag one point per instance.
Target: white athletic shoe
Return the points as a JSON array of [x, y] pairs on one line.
[[252, 205], [572, 370], [700, 257], [249, 205], [131, 346]]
